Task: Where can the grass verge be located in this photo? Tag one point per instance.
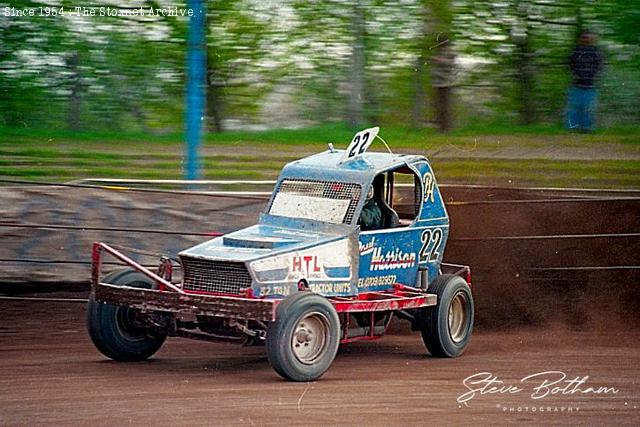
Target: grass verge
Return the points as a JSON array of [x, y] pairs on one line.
[[469, 156]]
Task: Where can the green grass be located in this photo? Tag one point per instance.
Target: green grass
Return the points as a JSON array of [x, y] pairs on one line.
[[554, 173], [473, 155], [339, 134]]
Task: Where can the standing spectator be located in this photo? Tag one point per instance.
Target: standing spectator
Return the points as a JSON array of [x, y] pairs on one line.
[[585, 63]]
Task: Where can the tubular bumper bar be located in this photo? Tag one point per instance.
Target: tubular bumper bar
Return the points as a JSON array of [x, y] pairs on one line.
[[174, 302], [169, 297]]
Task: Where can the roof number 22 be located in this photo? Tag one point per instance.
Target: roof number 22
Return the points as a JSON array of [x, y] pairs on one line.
[[361, 142]]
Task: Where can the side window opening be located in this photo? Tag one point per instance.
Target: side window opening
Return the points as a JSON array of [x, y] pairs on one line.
[[405, 195], [393, 201]]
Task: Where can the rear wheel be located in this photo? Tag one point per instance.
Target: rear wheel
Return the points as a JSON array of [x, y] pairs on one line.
[[116, 330], [303, 340], [446, 327]]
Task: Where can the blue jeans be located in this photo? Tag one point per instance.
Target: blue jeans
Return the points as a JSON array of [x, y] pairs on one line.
[[581, 109]]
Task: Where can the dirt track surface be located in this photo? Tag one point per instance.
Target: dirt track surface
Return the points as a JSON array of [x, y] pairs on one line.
[[50, 373]]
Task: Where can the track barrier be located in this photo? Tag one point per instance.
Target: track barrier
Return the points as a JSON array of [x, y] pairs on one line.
[[521, 243]]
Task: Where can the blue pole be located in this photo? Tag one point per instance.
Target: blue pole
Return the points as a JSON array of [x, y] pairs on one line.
[[196, 78]]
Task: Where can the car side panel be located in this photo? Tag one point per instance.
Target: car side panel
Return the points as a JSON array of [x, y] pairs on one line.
[[396, 255], [432, 221]]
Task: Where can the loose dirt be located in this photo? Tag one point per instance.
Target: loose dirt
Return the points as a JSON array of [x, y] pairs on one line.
[[50, 373]]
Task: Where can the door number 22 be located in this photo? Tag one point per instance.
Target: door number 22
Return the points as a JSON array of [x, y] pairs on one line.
[[431, 239]]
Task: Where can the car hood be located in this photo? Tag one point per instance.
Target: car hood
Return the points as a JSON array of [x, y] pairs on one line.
[[260, 241]]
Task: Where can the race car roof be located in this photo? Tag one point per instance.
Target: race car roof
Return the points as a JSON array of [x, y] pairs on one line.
[[329, 165]]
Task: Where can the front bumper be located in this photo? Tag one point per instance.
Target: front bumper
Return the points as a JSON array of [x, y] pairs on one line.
[[173, 302]]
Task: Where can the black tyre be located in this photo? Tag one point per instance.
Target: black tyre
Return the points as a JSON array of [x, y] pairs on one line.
[[303, 340], [112, 328], [446, 328]]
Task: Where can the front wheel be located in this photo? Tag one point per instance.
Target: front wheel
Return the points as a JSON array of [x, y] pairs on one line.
[[446, 327], [116, 330], [303, 340]]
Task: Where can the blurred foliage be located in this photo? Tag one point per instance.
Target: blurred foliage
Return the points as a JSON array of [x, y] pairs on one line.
[[303, 62]]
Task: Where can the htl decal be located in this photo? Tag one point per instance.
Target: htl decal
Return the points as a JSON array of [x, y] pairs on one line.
[[310, 262]]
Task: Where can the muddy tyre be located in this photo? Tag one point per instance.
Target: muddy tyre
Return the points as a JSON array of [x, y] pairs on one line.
[[112, 327], [446, 327], [303, 340]]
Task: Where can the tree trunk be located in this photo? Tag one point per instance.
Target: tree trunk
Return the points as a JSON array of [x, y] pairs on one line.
[[214, 101], [443, 66], [213, 107], [73, 63], [526, 83], [418, 111], [355, 113], [435, 67], [524, 67], [420, 78], [138, 113], [443, 105]]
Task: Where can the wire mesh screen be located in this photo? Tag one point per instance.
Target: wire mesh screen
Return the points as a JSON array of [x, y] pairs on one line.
[[215, 276], [326, 190]]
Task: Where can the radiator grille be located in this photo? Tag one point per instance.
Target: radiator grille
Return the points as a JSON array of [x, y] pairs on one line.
[[325, 189], [215, 276]]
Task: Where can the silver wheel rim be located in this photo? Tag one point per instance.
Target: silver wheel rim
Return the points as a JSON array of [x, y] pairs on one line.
[[458, 317], [310, 338]]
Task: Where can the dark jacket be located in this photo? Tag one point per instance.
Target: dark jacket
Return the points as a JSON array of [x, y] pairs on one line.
[[585, 63], [371, 216]]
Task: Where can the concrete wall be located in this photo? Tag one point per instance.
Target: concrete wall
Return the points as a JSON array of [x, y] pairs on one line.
[[80, 207]]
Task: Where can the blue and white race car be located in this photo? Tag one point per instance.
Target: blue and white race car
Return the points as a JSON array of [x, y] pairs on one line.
[[348, 240]]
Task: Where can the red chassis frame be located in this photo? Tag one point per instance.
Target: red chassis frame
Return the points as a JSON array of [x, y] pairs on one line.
[[169, 297]]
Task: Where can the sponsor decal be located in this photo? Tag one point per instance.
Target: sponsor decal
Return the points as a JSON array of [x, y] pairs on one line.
[[330, 288], [368, 282], [367, 248], [266, 291], [429, 187], [326, 262], [309, 262], [393, 259]]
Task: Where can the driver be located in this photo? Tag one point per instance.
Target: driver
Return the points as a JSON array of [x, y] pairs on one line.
[[371, 216]]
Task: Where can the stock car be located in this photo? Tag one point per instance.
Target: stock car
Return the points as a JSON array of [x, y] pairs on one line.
[[306, 278]]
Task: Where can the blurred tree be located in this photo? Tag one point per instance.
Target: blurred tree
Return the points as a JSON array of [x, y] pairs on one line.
[[421, 80], [296, 62], [95, 72], [443, 71], [328, 58], [73, 64], [435, 64], [520, 35], [501, 34], [353, 60], [355, 113], [616, 24], [519, 51], [28, 64]]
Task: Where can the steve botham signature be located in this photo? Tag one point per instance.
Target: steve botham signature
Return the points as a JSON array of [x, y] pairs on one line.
[[539, 385]]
